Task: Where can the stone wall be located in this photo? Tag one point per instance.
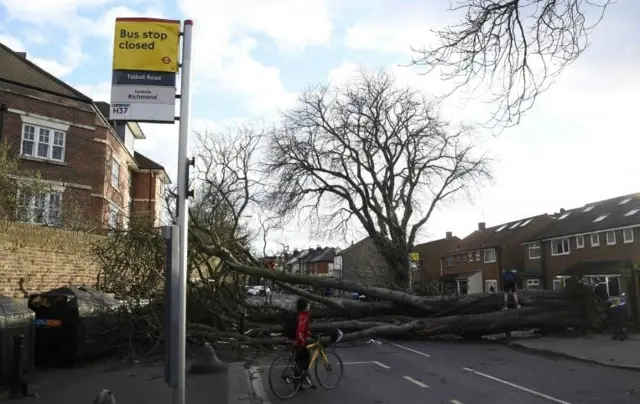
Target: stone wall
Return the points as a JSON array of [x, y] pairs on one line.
[[35, 258]]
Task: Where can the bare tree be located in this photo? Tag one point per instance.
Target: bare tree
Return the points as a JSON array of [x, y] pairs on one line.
[[517, 47], [372, 153]]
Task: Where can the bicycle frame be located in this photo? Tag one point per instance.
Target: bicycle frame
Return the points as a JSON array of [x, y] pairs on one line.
[[317, 353]]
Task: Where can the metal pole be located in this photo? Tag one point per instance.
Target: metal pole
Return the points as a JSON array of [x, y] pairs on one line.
[[183, 208]]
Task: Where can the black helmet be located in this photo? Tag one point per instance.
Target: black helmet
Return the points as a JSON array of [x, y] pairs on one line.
[[302, 304]]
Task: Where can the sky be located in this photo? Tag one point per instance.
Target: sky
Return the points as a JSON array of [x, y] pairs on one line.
[[578, 144]]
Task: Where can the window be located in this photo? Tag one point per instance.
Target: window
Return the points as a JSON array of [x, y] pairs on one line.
[[471, 257], [579, 241], [564, 216], [601, 218], [113, 217], [627, 235], [632, 212], [587, 209], [42, 143], [533, 284], [449, 261], [560, 246], [534, 251], [514, 225], [490, 255], [115, 173], [595, 240], [477, 255], [43, 208], [526, 222], [490, 285], [501, 228], [611, 237], [624, 201]]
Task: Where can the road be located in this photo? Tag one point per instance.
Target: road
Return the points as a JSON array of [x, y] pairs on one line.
[[459, 373]]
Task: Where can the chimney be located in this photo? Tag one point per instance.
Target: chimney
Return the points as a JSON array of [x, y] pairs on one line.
[[22, 54], [449, 235], [482, 226]]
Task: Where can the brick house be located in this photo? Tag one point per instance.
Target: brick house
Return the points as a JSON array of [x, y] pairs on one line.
[[598, 241], [92, 174], [362, 262], [320, 263], [477, 264], [429, 268]]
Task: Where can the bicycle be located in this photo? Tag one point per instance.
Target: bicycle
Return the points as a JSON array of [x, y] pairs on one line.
[[292, 375]]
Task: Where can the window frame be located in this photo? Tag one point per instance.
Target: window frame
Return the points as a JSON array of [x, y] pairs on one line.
[[113, 217], [449, 261], [31, 207], [115, 177], [597, 237], [51, 142], [579, 245], [535, 246], [488, 250], [624, 235], [610, 232], [562, 243]]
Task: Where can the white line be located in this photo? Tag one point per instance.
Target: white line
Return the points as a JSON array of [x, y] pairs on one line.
[[535, 393], [455, 402], [411, 350], [382, 365], [414, 381]]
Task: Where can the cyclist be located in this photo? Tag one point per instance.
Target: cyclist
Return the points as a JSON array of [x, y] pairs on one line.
[[303, 356]]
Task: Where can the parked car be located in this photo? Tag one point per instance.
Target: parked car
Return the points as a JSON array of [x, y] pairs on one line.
[[262, 290], [251, 291]]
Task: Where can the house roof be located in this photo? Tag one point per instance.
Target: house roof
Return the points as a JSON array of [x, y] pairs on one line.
[[436, 246], [515, 231], [145, 163], [16, 69], [327, 254], [313, 253], [364, 240], [616, 212]]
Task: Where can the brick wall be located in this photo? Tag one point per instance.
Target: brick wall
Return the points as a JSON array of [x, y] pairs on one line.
[[34, 258]]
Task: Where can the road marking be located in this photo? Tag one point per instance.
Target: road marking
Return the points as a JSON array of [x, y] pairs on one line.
[[411, 350], [414, 381], [382, 365], [455, 402], [535, 393]]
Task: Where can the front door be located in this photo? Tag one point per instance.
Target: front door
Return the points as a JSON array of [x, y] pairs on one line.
[[462, 287]]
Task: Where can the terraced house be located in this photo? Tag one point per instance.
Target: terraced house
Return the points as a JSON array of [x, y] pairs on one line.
[[480, 259], [597, 241], [92, 173]]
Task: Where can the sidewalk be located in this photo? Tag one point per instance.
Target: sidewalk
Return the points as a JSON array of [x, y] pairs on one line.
[[130, 384], [594, 348]]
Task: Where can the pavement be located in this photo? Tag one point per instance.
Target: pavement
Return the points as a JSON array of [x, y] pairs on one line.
[[130, 384], [452, 373], [595, 348]]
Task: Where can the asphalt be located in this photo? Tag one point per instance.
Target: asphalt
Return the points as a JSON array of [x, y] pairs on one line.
[[463, 373]]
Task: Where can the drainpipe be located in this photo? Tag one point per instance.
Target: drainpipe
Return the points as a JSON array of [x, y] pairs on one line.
[[3, 109], [150, 188]]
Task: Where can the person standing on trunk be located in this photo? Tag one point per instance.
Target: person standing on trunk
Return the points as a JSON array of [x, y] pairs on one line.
[[510, 281]]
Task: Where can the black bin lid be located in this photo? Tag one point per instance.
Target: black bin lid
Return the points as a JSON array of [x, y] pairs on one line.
[[11, 306]]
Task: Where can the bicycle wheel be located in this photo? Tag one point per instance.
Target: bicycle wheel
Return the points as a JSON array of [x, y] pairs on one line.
[[333, 368], [284, 371]]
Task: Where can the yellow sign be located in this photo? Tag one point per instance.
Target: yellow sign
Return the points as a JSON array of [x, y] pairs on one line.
[[415, 257], [146, 44]]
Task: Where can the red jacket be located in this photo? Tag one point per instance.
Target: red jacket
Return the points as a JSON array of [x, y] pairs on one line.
[[302, 329]]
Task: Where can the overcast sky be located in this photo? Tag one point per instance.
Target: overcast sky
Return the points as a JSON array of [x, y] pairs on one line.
[[579, 143]]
